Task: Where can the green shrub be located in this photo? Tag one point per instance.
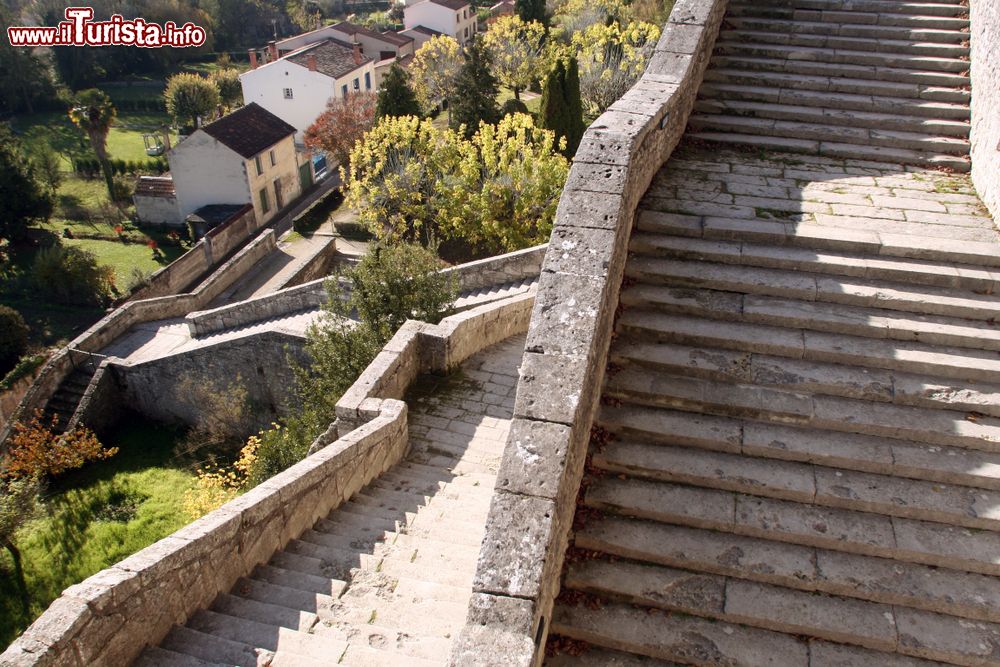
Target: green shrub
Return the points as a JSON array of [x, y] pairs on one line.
[[13, 337], [23, 368], [513, 106], [72, 275], [123, 187]]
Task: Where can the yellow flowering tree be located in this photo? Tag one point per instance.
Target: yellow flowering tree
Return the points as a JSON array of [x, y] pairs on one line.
[[433, 70], [518, 50], [612, 58]]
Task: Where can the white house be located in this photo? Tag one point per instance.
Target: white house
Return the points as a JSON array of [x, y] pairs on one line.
[[420, 35], [455, 18], [247, 157], [297, 86]]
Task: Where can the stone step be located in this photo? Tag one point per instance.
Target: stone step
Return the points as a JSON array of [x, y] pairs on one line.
[[876, 123], [847, 151], [806, 483], [671, 282], [842, 56], [867, 12], [284, 596], [967, 278], [861, 533], [268, 637], [591, 656], [212, 649], [299, 581], [685, 639], [848, 30], [422, 618], [939, 427], [392, 541], [849, 73], [428, 570], [471, 502], [887, 45], [466, 534], [838, 619], [831, 85], [849, 451], [812, 106], [392, 641], [366, 656], [411, 469], [154, 656], [879, 580], [337, 562], [350, 520], [264, 612], [826, 132]]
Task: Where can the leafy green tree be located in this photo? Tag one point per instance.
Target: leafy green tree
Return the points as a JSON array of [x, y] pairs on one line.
[[23, 197], [227, 81], [395, 96], [70, 274], [612, 58], [49, 169], [94, 113], [476, 98], [25, 81], [189, 96], [562, 108], [433, 70], [531, 10], [18, 505], [13, 338], [517, 49]]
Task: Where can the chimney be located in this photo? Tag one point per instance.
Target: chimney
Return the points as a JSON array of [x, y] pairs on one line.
[[311, 63], [357, 54], [253, 58], [272, 51]]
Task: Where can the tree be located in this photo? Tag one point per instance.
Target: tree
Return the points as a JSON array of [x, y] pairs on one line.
[[227, 81], [476, 98], [531, 10], [25, 80], [18, 504], [562, 108], [433, 70], [516, 48], [612, 59], [343, 124], [13, 338], [69, 274], [95, 114], [48, 169], [23, 197], [395, 96], [36, 451], [189, 96]]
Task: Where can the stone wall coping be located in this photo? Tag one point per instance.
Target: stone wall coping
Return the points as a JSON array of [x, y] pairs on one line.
[[527, 532]]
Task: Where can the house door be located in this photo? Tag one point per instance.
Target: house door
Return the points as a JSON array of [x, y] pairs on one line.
[[305, 176], [278, 199]]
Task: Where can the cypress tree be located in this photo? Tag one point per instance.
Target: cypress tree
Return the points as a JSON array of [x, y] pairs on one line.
[[395, 96], [476, 98], [562, 107]]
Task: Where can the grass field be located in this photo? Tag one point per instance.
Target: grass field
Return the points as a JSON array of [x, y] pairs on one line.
[[94, 517]]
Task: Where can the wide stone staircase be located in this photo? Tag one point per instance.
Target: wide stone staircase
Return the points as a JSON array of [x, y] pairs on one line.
[[385, 579], [866, 79]]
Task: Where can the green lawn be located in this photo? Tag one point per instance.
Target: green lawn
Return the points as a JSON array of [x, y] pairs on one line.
[[94, 517]]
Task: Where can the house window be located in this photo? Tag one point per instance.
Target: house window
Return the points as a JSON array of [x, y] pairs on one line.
[[357, 84], [368, 81], [458, 17], [278, 199], [258, 164], [274, 160], [343, 90], [465, 14], [265, 205], [466, 32], [288, 93]]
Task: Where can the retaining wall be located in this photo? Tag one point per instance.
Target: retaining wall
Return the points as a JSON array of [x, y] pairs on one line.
[[565, 357], [10, 398], [110, 617], [985, 72]]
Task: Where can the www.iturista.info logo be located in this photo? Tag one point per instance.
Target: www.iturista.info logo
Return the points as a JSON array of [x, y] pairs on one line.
[[79, 30]]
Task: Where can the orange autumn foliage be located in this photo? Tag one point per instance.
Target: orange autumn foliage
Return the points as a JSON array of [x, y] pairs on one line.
[[36, 450]]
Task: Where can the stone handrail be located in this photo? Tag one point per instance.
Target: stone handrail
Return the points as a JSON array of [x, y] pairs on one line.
[[527, 531], [110, 617]]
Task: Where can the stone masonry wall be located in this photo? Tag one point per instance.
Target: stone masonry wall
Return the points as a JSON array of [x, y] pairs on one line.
[[566, 350], [985, 44]]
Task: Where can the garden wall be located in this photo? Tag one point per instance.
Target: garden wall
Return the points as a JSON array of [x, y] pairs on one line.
[[527, 530], [985, 72]]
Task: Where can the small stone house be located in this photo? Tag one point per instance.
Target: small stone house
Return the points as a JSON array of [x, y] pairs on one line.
[[455, 18]]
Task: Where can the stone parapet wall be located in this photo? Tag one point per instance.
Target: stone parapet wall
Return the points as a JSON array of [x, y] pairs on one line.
[[985, 72], [520, 562]]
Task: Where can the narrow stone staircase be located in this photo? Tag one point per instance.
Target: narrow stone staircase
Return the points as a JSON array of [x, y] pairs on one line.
[[865, 79], [385, 579], [797, 457], [64, 402]]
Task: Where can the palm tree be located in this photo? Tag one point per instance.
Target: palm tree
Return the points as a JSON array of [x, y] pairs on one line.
[[95, 114]]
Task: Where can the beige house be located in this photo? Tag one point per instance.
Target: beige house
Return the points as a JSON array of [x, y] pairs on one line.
[[247, 157]]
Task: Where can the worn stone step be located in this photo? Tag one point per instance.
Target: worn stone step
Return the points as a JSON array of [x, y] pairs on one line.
[[344, 520], [876, 123], [264, 612], [849, 451], [213, 649], [806, 482], [941, 590], [780, 64], [418, 484], [393, 641], [598, 657], [392, 541], [427, 571], [299, 581], [420, 518], [862, 533], [411, 618], [154, 656], [867, 12], [685, 639], [974, 281], [338, 563], [268, 637], [284, 596], [847, 151], [887, 45], [471, 502], [846, 29], [417, 470], [358, 655], [841, 56]]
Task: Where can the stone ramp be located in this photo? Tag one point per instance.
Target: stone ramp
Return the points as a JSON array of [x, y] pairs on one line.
[[385, 579], [876, 80], [797, 457]]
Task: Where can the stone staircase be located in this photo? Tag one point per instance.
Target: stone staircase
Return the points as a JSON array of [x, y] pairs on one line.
[[385, 579], [865, 79], [66, 399], [797, 457]]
